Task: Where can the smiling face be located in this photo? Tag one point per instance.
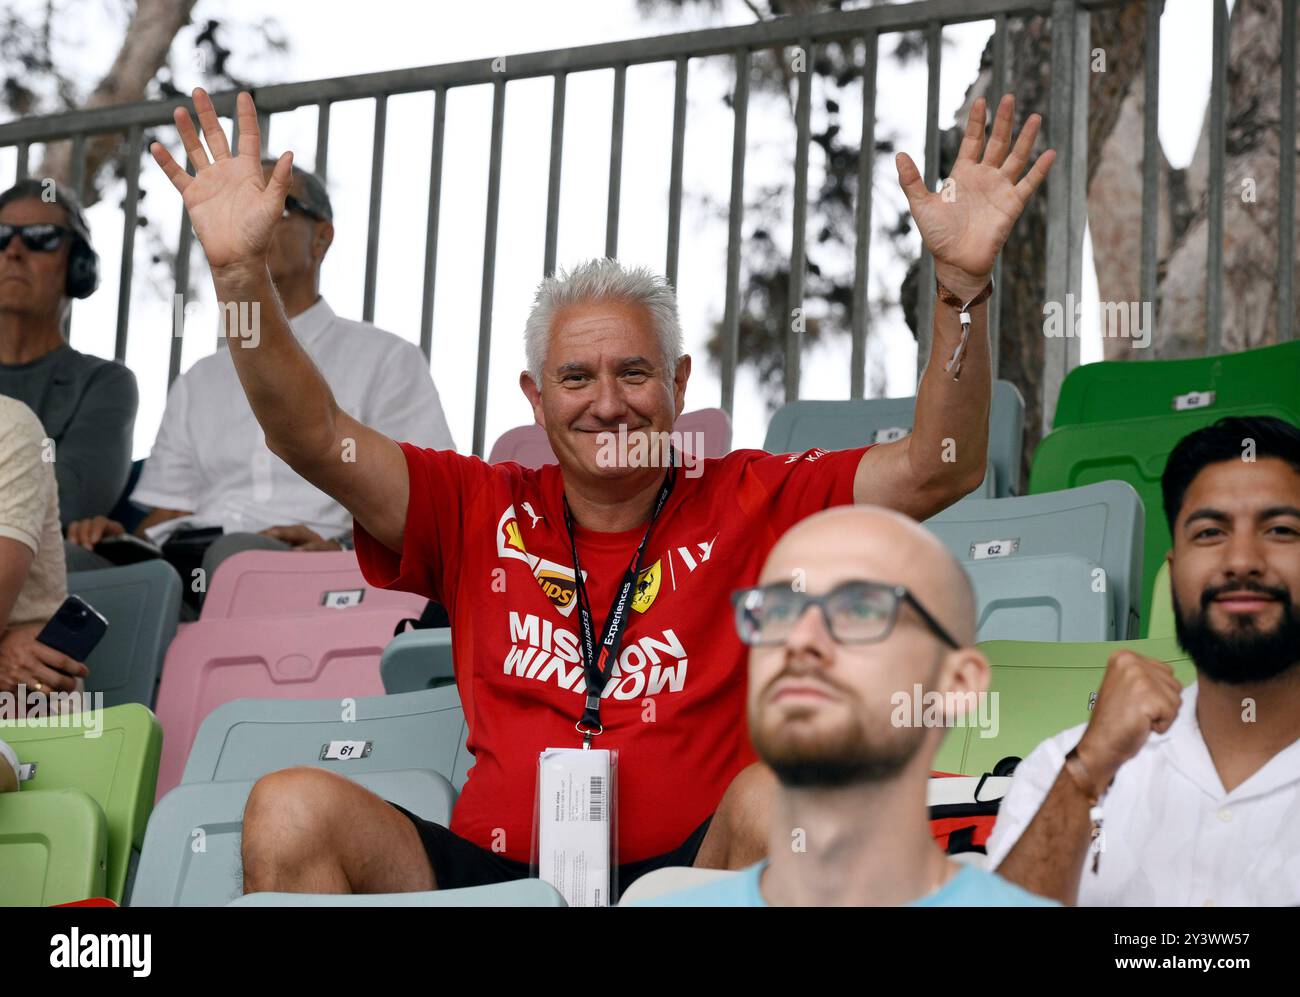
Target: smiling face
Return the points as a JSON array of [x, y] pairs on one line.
[[821, 712], [604, 368], [33, 283], [1235, 570]]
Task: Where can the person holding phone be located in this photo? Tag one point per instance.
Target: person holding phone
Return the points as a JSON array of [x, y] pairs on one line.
[[33, 577]]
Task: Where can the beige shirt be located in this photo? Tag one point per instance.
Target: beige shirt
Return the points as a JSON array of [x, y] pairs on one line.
[[29, 511]]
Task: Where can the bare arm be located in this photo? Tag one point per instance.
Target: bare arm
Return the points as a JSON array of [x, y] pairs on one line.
[[234, 211], [945, 455], [15, 561], [1048, 857]]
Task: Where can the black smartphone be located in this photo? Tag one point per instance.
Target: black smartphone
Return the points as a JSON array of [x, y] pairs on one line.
[[75, 629]]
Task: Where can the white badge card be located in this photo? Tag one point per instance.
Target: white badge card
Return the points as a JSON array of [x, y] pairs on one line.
[[574, 829]]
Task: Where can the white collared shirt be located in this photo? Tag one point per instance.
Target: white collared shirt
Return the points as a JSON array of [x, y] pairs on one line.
[[211, 457], [1171, 835]]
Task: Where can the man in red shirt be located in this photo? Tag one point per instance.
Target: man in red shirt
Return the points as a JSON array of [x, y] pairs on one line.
[[659, 551]]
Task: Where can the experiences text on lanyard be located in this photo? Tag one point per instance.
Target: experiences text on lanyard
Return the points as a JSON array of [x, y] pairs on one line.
[[596, 667]]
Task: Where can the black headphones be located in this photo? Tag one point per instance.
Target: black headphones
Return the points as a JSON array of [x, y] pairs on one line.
[[83, 261]]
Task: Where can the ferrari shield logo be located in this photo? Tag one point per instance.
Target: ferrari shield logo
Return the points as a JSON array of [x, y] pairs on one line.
[[647, 587]]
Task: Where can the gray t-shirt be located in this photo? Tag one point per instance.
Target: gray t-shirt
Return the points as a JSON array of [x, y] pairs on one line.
[[87, 406]]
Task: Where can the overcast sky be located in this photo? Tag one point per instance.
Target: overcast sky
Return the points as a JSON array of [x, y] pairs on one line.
[[328, 38]]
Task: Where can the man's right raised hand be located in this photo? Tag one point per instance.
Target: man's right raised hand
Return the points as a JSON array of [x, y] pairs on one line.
[[233, 209], [1138, 696]]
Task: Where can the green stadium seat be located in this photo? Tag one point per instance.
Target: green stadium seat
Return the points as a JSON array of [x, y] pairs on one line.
[[519, 893], [141, 603], [1043, 689], [1132, 450], [1123, 389], [1100, 524], [842, 425], [1161, 623], [53, 847], [417, 659], [117, 767], [248, 738], [191, 855]]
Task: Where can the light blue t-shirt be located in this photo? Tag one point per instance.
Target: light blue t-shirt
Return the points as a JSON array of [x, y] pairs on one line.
[[970, 887]]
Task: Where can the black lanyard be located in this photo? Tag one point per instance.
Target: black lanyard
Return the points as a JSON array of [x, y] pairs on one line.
[[596, 669]]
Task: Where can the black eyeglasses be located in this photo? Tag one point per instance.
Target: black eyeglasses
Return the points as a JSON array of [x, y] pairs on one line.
[[292, 204], [42, 237], [856, 612]]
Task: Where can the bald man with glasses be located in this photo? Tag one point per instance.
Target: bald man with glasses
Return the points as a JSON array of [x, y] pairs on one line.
[[857, 609]]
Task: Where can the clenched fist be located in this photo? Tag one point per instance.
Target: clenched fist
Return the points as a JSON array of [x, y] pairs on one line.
[[1138, 695]]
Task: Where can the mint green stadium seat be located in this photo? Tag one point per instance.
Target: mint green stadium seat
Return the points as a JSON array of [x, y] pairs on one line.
[[1132, 450], [248, 738], [1101, 523], [1161, 623], [417, 659], [114, 762], [191, 855], [141, 603], [1042, 689], [53, 848], [519, 893], [842, 425], [1122, 389]]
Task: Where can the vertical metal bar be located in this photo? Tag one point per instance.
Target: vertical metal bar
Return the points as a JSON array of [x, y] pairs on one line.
[[675, 172], [998, 86], [79, 166], [489, 265], [925, 286], [1151, 163], [1079, 169], [615, 161], [1286, 181], [322, 138], [735, 213], [1214, 250], [23, 151], [798, 259], [862, 224], [376, 196], [181, 290], [1059, 188], [431, 223], [264, 131], [129, 221], [557, 164]]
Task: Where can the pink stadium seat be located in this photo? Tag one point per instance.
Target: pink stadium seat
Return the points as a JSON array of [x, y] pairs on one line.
[[327, 656], [260, 583], [527, 445]]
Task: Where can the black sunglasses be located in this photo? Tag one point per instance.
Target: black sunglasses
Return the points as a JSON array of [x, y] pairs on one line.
[[42, 237], [292, 204], [856, 612]]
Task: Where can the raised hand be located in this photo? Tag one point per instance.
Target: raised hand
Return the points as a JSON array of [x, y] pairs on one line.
[[232, 207], [966, 226]]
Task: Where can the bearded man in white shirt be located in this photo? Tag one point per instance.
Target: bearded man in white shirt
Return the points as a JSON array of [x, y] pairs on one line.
[[1187, 797], [210, 459]]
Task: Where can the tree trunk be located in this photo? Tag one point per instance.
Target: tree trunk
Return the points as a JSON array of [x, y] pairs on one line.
[[149, 36]]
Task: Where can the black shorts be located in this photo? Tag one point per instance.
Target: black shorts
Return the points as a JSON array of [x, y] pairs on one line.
[[458, 862]]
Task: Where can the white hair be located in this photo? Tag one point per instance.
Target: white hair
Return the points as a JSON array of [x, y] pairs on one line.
[[602, 280]]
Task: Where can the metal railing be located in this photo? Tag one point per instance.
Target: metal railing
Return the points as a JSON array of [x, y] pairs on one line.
[[1066, 190]]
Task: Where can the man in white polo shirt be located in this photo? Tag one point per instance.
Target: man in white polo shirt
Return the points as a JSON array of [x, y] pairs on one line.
[[210, 459], [1171, 796]]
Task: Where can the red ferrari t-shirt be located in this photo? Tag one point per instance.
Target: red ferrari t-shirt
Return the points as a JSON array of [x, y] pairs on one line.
[[488, 541]]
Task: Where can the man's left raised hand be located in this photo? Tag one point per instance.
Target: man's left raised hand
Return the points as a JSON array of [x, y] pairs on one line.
[[965, 226]]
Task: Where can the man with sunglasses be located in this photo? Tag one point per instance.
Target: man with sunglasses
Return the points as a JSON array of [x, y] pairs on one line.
[[86, 405], [617, 551], [858, 610], [209, 460]]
